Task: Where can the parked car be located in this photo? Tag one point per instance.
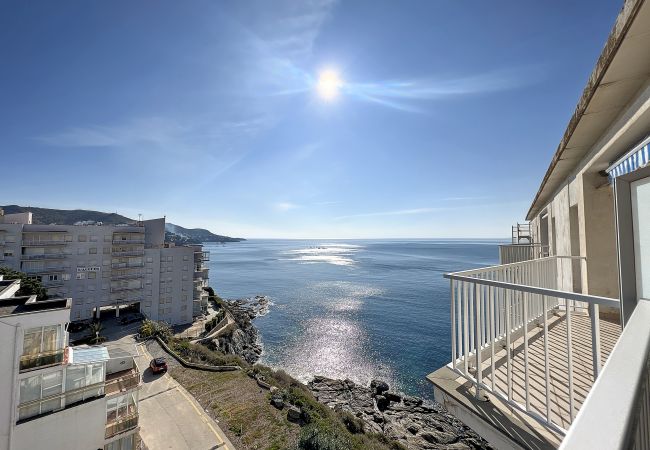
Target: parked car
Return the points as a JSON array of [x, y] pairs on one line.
[[158, 365], [131, 318]]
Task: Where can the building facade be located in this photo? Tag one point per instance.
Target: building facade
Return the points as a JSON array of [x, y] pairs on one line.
[[551, 348], [60, 397], [109, 267]]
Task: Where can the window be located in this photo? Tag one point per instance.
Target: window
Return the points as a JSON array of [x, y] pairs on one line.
[[9, 252], [149, 259], [81, 251], [185, 268], [92, 250], [93, 238], [79, 377], [107, 250], [82, 238], [161, 300], [66, 276], [185, 258], [41, 340], [10, 238], [108, 238], [92, 275], [183, 307], [53, 277], [47, 387], [184, 277], [125, 443]]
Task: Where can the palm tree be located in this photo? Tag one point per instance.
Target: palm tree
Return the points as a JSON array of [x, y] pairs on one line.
[[95, 329]]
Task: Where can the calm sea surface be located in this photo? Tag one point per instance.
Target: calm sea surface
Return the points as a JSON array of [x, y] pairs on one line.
[[351, 309]]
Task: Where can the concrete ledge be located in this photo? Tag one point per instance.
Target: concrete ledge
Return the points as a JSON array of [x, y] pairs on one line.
[[191, 365], [495, 421]]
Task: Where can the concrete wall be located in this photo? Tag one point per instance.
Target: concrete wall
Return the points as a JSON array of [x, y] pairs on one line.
[[79, 427]]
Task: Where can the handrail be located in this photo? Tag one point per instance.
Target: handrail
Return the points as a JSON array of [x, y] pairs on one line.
[[606, 301], [509, 265], [615, 414]]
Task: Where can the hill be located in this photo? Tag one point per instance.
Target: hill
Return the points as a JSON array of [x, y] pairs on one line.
[[194, 235], [46, 216], [173, 233]]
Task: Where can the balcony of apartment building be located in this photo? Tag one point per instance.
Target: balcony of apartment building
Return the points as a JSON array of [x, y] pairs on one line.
[[126, 263], [42, 347], [134, 237], [526, 349], [121, 414], [135, 250], [126, 274], [45, 256], [45, 237], [42, 269], [201, 271], [201, 256]]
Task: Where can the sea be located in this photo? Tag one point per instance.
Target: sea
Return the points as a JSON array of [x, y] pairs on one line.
[[357, 309]]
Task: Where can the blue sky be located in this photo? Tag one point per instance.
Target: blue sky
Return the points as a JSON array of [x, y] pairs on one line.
[[446, 118]]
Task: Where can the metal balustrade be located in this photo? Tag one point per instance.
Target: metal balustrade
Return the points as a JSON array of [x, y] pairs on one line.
[[36, 361], [45, 256], [121, 425], [512, 253], [616, 413], [517, 336]]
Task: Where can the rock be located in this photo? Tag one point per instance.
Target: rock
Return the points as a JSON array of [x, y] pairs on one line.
[[438, 437], [293, 414], [412, 427], [392, 397], [274, 389], [382, 402], [379, 386], [412, 401], [305, 416], [410, 422], [277, 401]]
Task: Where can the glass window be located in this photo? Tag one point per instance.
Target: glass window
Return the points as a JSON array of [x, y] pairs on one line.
[[32, 341], [52, 383], [50, 338], [97, 373], [75, 378], [30, 389]]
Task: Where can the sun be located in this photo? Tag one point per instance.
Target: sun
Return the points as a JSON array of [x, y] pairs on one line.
[[329, 84]]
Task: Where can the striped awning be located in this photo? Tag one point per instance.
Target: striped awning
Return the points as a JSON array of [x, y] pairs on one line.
[[633, 160]]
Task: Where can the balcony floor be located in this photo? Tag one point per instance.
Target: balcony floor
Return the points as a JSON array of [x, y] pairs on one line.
[[458, 387]]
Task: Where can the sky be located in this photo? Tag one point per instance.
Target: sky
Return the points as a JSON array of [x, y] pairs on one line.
[[288, 119]]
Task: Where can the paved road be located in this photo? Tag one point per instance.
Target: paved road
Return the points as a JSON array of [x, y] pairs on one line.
[[170, 418]]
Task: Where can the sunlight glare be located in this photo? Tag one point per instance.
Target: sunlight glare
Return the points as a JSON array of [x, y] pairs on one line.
[[329, 84]]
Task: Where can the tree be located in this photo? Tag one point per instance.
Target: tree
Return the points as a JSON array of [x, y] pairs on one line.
[[95, 329], [28, 285]]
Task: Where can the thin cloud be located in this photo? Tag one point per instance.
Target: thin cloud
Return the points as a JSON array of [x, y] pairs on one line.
[[284, 206], [400, 212]]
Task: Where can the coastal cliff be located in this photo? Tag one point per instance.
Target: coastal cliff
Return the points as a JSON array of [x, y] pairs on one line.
[[401, 418], [374, 409]]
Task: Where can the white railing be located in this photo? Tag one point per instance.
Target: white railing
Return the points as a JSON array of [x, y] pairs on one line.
[[513, 253], [616, 413], [493, 307]]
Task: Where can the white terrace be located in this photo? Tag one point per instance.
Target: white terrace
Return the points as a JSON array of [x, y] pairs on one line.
[[540, 349]]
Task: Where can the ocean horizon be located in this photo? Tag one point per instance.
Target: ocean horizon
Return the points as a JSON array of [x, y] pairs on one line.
[[351, 308]]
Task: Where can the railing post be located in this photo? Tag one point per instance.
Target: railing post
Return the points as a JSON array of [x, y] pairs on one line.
[[567, 318], [453, 322], [477, 336], [595, 338]]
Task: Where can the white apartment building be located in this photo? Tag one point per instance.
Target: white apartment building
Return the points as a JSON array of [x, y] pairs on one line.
[[551, 348], [109, 267], [55, 396]]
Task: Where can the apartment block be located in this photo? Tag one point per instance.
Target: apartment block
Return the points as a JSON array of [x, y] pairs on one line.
[[109, 267], [60, 397]]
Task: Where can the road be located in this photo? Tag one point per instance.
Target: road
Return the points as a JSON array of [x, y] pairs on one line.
[[170, 418]]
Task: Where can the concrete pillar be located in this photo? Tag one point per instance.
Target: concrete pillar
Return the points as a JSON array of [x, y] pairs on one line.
[[598, 236]]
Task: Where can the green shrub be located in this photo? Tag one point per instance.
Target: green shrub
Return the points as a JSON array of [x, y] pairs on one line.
[[28, 285], [321, 436], [351, 422], [151, 328]]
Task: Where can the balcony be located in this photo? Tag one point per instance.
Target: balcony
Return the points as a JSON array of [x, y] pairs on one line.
[[45, 256], [513, 253], [529, 348], [121, 382], [127, 253], [43, 270], [121, 425], [30, 243], [127, 276], [124, 265], [202, 256], [128, 241], [201, 272], [40, 360]]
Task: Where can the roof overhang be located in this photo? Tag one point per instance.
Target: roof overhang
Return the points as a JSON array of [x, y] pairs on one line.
[[621, 70]]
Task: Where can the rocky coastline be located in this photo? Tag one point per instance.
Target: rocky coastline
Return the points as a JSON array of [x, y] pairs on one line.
[[407, 420], [378, 409], [243, 339]]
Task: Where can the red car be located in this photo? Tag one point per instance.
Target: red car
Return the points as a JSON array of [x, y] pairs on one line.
[[158, 365]]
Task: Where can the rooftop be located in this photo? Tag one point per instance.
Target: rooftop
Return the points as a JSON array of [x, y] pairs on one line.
[[28, 304]]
